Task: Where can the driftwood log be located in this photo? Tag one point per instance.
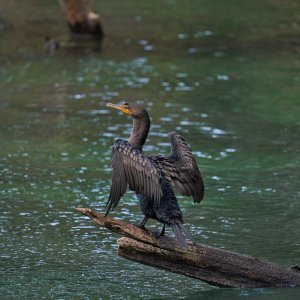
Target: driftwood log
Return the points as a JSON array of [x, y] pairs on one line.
[[212, 265]]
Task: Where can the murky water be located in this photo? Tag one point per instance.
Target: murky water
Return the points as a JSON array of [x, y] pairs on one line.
[[229, 83]]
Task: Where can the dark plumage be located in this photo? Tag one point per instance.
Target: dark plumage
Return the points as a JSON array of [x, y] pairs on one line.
[[154, 177]]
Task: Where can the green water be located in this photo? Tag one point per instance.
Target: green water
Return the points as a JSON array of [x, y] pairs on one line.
[[224, 75]]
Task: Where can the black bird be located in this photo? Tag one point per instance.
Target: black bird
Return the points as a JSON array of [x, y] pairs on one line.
[[154, 177]]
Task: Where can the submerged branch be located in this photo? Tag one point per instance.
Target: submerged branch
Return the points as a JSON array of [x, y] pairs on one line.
[[81, 18]]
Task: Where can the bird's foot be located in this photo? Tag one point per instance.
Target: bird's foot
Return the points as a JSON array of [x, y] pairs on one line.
[[160, 233], [157, 234], [140, 226], [143, 227], [142, 223]]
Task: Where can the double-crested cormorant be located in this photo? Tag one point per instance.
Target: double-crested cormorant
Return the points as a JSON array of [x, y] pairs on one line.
[[153, 177]]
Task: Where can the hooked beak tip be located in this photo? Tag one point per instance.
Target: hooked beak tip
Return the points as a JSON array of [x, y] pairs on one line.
[[120, 107]]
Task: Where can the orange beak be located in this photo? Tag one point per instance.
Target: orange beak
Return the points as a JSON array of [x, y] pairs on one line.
[[123, 108]]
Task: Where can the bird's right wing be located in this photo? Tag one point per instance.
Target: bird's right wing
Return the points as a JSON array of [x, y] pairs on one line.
[[131, 167]]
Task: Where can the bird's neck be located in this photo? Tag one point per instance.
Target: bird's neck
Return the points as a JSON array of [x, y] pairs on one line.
[[139, 132]]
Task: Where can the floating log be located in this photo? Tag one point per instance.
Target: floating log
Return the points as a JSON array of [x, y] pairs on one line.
[[212, 265]]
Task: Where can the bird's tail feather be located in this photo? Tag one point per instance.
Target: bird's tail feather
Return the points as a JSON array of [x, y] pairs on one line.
[[182, 234]]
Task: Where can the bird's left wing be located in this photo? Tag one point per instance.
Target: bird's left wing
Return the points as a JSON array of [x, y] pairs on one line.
[[181, 169], [131, 167]]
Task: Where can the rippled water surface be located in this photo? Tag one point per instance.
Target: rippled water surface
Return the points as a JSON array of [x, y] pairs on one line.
[[224, 75]]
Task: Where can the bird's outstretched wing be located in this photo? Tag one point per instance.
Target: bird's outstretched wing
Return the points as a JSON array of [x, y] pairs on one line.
[[131, 167], [181, 169]]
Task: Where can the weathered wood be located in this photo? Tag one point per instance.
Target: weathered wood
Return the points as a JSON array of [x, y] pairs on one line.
[[213, 265]]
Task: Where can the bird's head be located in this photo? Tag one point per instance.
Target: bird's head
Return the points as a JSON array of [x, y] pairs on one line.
[[130, 109]]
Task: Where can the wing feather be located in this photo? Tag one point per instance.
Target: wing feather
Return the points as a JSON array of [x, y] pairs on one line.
[[131, 167], [181, 169]]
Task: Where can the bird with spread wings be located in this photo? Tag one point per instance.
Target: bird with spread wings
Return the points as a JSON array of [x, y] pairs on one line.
[[153, 178]]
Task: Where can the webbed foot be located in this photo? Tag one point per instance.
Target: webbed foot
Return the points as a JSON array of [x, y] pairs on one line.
[[161, 232], [142, 224]]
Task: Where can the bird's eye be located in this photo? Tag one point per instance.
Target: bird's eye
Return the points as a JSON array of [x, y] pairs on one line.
[[125, 104]]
